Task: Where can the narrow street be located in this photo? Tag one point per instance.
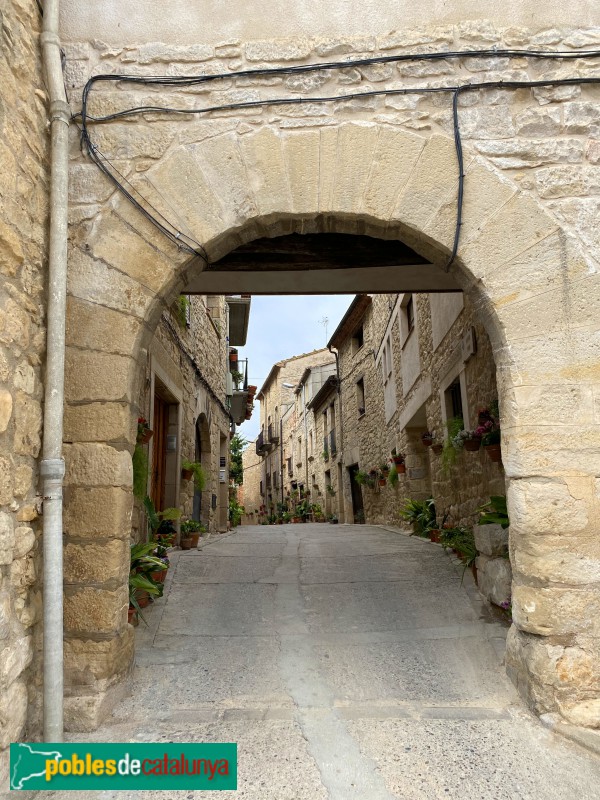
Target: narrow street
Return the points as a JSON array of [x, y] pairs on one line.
[[346, 662]]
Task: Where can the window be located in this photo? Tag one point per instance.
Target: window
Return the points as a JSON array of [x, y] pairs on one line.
[[357, 340], [454, 399], [389, 385], [360, 397], [407, 317]]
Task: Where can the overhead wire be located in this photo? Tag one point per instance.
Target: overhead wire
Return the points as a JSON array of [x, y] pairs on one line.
[[190, 245]]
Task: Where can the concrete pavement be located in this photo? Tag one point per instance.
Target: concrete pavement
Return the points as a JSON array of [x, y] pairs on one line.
[[347, 662]]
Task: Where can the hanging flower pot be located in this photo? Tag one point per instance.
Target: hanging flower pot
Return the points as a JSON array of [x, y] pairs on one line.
[[382, 481], [427, 439], [472, 445], [187, 474], [398, 459], [437, 448], [494, 452], [233, 357], [401, 468]]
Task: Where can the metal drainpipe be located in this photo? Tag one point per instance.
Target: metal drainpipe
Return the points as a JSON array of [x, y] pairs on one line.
[[52, 467], [340, 416]]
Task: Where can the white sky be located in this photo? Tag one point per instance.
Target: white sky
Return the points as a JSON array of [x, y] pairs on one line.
[[281, 327]]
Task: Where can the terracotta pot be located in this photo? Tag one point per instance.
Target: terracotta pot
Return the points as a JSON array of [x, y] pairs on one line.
[[195, 537], [186, 544], [382, 481], [145, 437], [472, 445], [427, 440], [187, 474], [401, 468], [434, 535], [142, 597], [494, 452], [437, 448], [160, 576], [132, 616]]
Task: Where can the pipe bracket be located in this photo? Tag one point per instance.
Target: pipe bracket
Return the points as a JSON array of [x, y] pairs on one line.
[[52, 469]]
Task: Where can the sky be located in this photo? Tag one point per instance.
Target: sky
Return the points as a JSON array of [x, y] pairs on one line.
[[285, 326]]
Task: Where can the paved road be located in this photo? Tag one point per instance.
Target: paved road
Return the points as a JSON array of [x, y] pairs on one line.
[[348, 662]]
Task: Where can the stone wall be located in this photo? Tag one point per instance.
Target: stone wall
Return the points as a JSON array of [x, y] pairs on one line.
[[24, 166], [250, 489], [192, 359]]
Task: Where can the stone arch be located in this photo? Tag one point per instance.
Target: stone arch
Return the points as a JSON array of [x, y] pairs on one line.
[[533, 289]]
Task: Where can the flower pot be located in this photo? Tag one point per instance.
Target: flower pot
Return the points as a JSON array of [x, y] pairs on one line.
[[401, 468], [160, 576], [434, 535], [494, 452], [472, 445], [437, 448], [187, 474], [142, 597], [382, 481], [195, 537], [186, 544], [427, 440], [144, 438]]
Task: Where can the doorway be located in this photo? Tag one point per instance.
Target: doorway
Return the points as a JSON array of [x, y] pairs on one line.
[[358, 509]]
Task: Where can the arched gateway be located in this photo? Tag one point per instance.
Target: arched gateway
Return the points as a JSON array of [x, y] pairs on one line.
[[527, 276]]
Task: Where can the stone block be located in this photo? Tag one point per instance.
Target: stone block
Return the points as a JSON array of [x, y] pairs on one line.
[[13, 713], [6, 407], [7, 538], [263, 156], [491, 540], [519, 153], [85, 712], [355, 149], [92, 375], [93, 327], [538, 122], [545, 507], [301, 154], [24, 541], [97, 465], [98, 664], [556, 612], [531, 665], [121, 247], [585, 713], [98, 513], [22, 573], [5, 615], [16, 657], [100, 422], [95, 611], [28, 425], [494, 576], [93, 281], [278, 50], [153, 52], [102, 562]]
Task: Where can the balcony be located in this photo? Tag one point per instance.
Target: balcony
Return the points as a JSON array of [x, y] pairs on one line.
[[273, 433], [239, 313], [332, 443], [261, 446]]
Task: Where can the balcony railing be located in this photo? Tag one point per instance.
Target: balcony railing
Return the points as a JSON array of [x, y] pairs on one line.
[[261, 446], [273, 432], [332, 443]]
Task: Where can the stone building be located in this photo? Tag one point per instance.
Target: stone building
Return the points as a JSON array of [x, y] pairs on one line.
[[278, 401], [246, 199], [250, 496]]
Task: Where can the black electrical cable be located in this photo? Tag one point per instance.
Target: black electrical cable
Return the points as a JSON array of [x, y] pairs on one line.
[[190, 245]]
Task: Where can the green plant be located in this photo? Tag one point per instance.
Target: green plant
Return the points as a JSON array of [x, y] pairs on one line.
[[495, 512], [330, 490], [393, 476], [139, 461], [180, 310], [142, 563], [361, 477], [191, 526], [237, 445], [237, 377], [157, 518], [286, 516], [199, 477], [451, 445], [236, 511], [325, 455], [420, 514]]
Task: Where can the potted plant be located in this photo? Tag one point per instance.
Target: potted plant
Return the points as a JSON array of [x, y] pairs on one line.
[[398, 461], [141, 586], [472, 441], [333, 519], [427, 438], [144, 432], [420, 514], [325, 455], [437, 448], [192, 529], [193, 469], [330, 490]]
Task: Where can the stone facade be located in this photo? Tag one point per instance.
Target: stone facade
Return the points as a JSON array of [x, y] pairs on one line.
[[24, 166], [186, 369], [249, 492]]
